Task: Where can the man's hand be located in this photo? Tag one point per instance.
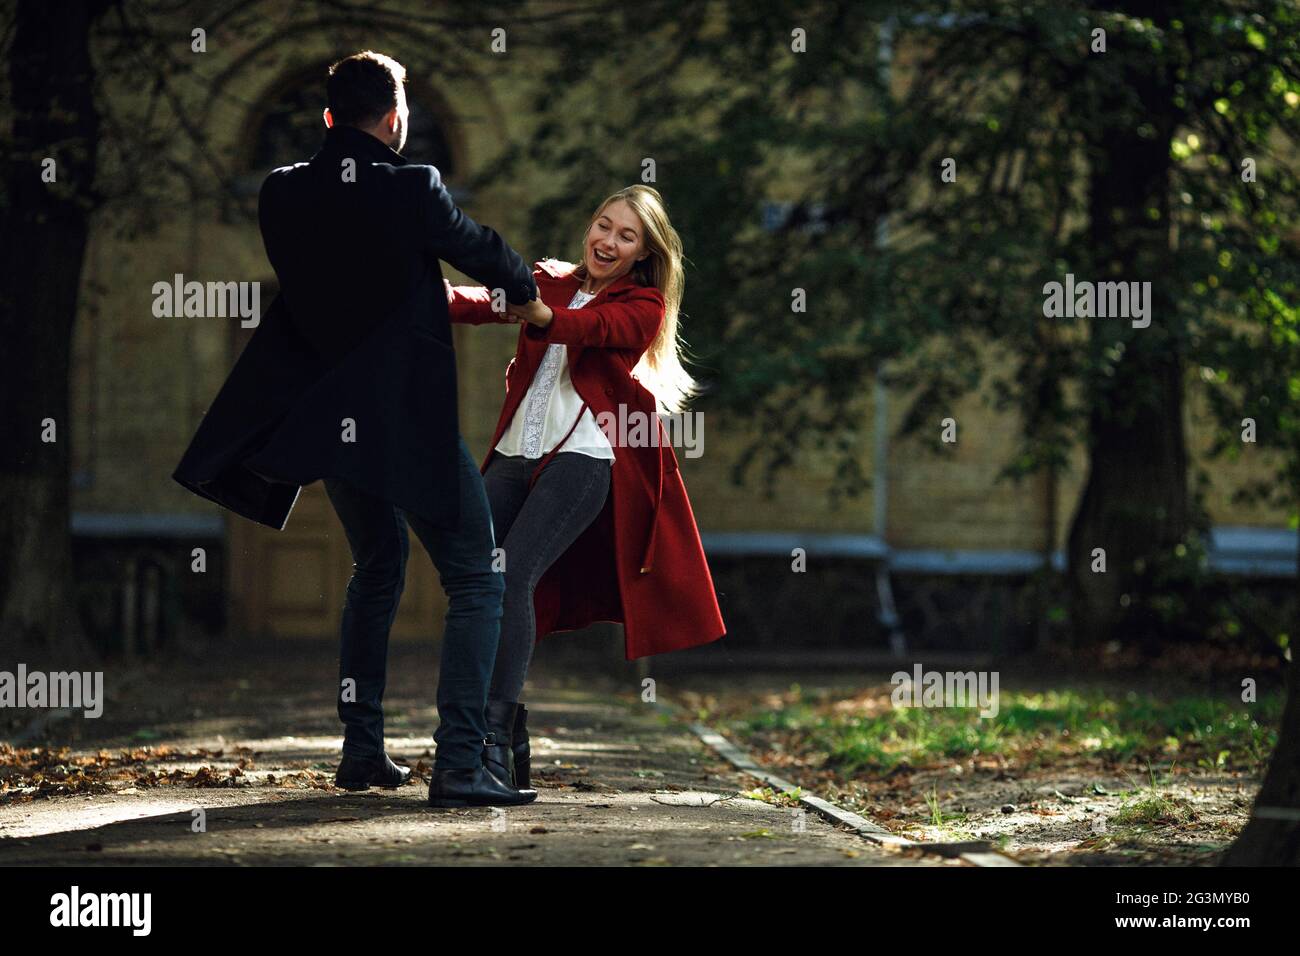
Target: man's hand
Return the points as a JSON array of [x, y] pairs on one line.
[[537, 312]]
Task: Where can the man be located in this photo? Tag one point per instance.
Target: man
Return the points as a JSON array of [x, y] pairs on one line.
[[351, 378]]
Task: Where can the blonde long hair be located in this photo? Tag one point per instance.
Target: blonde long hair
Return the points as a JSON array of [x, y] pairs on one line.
[[660, 368]]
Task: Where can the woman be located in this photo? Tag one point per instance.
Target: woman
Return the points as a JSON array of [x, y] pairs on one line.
[[593, 529]]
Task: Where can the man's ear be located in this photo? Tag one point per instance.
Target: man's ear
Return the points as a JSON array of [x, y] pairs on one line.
[[328, 117], [391, 121]]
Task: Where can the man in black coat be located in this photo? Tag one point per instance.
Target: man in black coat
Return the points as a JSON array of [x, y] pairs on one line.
[[351, 378]]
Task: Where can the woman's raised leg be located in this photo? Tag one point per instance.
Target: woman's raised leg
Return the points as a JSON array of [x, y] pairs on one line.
[[567, 497]]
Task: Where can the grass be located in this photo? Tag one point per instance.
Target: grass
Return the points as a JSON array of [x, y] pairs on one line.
[[777, 798], [932, 801], [1055, 752], [1153, 808], [1032, 726]]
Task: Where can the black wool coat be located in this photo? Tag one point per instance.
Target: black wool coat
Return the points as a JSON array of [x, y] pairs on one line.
[[358, 335]]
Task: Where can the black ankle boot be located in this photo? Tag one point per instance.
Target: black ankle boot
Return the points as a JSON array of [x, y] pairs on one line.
[[520, 749], [474, 787], [497, 757], [361, 773]]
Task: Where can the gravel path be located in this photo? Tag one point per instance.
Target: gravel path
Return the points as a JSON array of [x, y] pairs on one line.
[[231, 762]]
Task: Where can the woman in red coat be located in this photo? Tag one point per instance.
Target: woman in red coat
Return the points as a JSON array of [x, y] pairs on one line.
[[587, 502]]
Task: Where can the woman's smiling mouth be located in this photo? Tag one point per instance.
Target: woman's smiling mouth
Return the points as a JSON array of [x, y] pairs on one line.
[[602, 257]]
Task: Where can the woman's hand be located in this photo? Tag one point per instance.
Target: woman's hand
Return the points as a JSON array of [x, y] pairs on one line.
[[537, 312]]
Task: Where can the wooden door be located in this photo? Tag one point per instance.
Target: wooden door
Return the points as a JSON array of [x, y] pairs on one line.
[[292, 583]]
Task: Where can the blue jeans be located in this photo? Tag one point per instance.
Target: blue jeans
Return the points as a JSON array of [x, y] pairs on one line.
[[376, 532]]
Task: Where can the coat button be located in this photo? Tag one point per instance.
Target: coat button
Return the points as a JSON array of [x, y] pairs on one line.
[[608, 390]]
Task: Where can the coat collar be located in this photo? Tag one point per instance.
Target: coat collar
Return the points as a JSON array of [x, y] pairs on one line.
[[562, 275], [358, 144]]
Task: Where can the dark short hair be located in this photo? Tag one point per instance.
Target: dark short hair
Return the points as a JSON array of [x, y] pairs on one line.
[[362, 88]]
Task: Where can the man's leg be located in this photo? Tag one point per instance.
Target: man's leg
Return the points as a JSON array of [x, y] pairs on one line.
[[463, 558], [377, 536]]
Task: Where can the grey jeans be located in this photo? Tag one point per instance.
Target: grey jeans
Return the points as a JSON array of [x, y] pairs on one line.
[[535, 527]]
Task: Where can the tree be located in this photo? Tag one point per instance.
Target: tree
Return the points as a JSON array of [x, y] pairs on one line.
[[1251, 366], [46, 225]]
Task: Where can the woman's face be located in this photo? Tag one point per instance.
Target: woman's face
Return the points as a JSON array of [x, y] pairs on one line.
[[615, 242]]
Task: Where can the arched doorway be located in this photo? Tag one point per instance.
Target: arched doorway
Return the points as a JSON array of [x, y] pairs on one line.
[[289, 127]]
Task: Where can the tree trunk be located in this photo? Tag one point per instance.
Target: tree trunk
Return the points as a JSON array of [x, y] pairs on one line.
[[45, 226], [1135, 502], [1272, 837]]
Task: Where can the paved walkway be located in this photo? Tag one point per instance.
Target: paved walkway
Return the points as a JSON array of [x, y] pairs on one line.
[[253, 744]]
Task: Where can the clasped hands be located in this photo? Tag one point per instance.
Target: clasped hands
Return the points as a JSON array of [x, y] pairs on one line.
[[536, 311]]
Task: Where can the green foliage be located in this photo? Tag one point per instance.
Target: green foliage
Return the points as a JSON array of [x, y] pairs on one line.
[[1015, 95]]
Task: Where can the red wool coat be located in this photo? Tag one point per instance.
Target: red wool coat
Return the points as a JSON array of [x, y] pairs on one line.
[[640, 563]]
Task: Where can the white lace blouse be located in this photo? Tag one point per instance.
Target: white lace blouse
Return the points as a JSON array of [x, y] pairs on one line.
[[549, 408]]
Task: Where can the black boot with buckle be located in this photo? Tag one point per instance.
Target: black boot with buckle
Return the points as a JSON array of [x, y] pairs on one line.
[[520, 749], [497, 749], [474, 787]]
